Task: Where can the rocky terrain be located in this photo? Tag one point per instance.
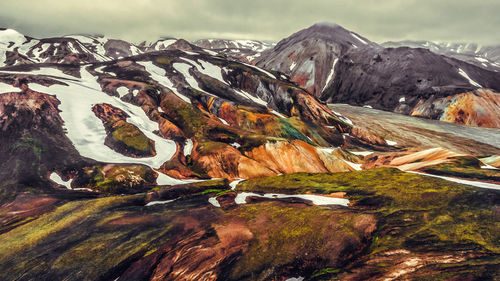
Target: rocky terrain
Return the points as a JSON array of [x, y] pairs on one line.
[[172, 160]]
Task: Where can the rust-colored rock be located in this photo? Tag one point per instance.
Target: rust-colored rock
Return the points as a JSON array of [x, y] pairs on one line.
[[479, 109], [296, 156], [221, 160], [367, 136]]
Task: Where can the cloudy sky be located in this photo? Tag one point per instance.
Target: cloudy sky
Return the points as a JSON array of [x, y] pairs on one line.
[[137, 20]]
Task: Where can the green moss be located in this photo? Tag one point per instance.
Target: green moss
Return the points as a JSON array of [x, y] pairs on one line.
[[464, 167], [207, 148], [291, 132], [325, 271], [79, 240], [28, 143], [189, 119], [131, 137], [164, 60], [431, 214], [285, 233]]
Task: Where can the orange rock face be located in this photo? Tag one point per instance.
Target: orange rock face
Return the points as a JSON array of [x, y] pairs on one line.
[[224, 161], [296, 156], [479, 109]]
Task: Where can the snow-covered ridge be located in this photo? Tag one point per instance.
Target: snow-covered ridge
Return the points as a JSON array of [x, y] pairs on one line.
[[86, 131]]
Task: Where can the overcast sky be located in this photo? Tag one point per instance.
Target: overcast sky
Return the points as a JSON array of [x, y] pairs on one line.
[[137, 20]]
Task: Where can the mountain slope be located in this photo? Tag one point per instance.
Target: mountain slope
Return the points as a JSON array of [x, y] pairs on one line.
[[310, 55], [487, 57], [175, 112], [339, 66]]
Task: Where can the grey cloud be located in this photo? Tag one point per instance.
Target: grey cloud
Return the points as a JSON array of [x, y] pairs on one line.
[[137, 20]]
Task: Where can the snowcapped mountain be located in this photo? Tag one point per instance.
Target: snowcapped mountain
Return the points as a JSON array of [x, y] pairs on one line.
[[310, 55], [154, 108], [18, 49], [487, 57], [241, 50]]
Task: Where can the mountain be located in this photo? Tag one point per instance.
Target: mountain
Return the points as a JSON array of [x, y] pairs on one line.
[[18, 49], [241, 50], [171, 161], [339, 66], [487, 57], [310, 55]]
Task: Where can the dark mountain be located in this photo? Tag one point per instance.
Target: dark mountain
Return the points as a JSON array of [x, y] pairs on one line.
[[309, 56], [487, 57], [337, 65]]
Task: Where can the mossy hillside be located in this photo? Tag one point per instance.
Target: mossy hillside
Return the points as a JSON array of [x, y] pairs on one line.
[[273, 126], [185, 116], [286, 233], [131, 139], [464, 167], [164, 60], [216, 186], [429, 214], [87, 240], [115, 178]]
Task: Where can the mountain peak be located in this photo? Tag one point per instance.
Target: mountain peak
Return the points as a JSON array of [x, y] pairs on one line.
[[326, 24], [8, 35]]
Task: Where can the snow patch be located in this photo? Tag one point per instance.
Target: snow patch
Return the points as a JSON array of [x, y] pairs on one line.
[[489, 167], [300, 278], [213, 201], [234, 183], [331, 74], [223, 121], [6, 88], [191, 53], [159, 75], [391, 143], [250, 97], [57, 179], [403, 99], [184, 69], [188, 147], [261, 70], [278, 114], [355, 166], [86, 131], [358, 38], [481, 59], [466, 182], [472, 82], [122, 91], [152, 203], [315, 199], [362, 153], [327, 150]]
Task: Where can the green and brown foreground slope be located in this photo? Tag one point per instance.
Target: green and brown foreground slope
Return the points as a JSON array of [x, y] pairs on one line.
[[397, 225]]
